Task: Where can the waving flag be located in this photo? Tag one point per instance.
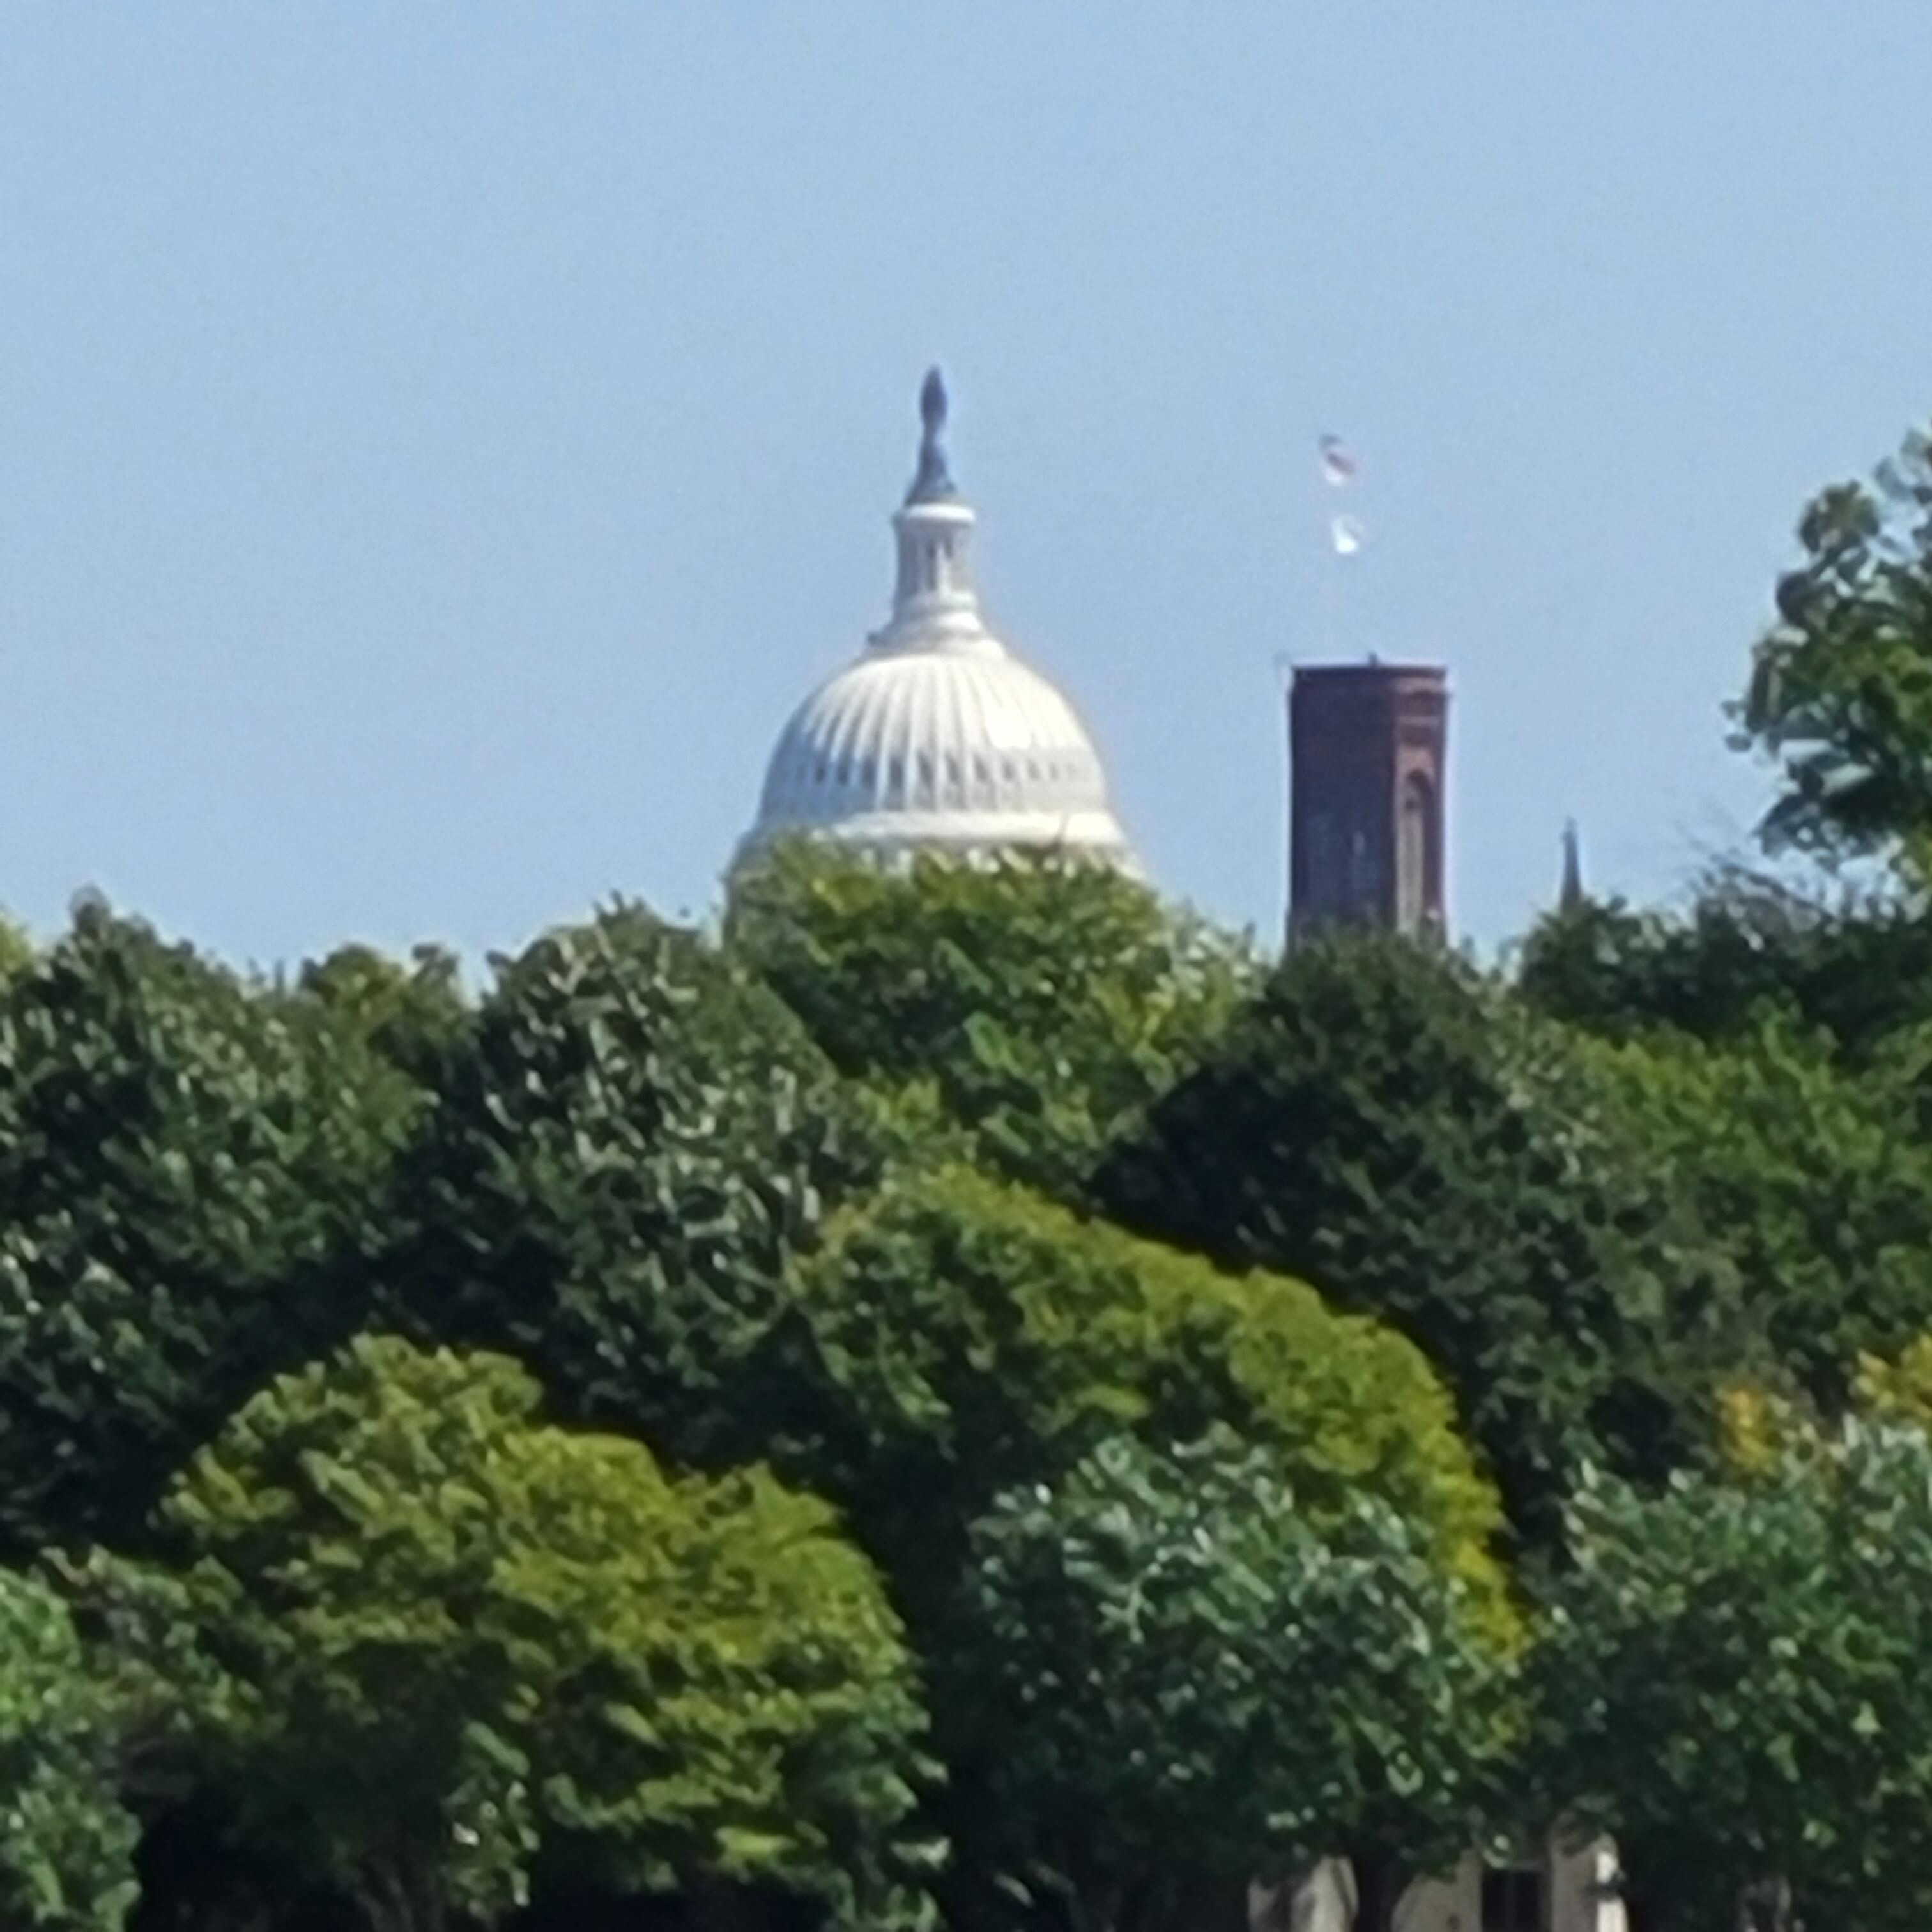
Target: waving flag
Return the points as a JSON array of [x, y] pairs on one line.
[[1338, 465]]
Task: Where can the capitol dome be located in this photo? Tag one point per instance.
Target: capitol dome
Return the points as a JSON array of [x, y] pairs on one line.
[[937, 738]]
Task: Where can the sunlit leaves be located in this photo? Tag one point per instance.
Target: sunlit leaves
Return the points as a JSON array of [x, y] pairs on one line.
[[451, 1633]]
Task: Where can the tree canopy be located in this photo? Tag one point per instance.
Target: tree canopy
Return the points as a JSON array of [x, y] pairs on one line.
[[632, 1140], [1854, 965], [973, 1335], [1815, 1180], [1204, 1684], [452, 1635], [959, 1395], [1045, 1002], [1734, 1676], [191, 1165], [1840, 697], [67, 1842], [1385, 1126]]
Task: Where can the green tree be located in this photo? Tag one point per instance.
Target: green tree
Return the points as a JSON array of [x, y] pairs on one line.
[[967, 1335], [963, 1338], [1856, 965], [415, 1016], [1814, 1178], [1733, 1679], [1385, 1125], [1045, 1002], [451, 1635], [67, 1842], [1198, 1685], [17, 951], [1840, 697], [632, 1139], [191, 1167]]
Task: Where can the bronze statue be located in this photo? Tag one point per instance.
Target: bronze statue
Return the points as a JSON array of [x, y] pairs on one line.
[[932, 485]]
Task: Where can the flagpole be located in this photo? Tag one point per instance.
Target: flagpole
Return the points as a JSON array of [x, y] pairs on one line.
[[1284, 679], [1345, 538]]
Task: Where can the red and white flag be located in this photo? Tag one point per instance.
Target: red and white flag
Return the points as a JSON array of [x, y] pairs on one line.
[[1338, 463]]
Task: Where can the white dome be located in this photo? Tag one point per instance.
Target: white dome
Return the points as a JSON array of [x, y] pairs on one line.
[[937, 738]]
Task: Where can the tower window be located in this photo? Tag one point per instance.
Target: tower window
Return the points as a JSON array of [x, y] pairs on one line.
[[1513, 1899], [1414, 853]]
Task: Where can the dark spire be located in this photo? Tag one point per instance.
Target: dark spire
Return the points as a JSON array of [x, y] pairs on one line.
[[1570, 897], [932, 485]]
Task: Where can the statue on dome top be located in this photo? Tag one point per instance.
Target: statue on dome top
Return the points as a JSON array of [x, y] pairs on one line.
[[933, 484]]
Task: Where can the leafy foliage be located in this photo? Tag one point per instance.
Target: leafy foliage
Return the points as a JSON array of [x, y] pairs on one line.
[[1187, 1660], [1815, 1179], [973, 1335], [17, 951], [1856, 965], [632, 1140], [968, 1338], [67, 1844], [1734, 1678], [191, 1166], [450, 1632], [1046, 1001], [1841, 692], [1385, 1126], [415, 1016]]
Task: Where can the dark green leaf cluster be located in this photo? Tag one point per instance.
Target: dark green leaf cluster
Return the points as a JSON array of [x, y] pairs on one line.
[[1815, 1179], [632, 1141], [1381, 1123], [190, 1167], [1857, 966]]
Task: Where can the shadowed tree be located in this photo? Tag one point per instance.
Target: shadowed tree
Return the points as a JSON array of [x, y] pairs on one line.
[[1384, 1124]]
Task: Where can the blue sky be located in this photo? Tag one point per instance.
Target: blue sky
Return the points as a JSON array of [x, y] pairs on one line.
[[439, 444]]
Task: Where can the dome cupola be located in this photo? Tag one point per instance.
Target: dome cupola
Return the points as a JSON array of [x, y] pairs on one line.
[[936, 737]]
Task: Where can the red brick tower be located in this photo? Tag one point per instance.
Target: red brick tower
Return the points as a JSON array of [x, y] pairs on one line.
[[1367, 746]]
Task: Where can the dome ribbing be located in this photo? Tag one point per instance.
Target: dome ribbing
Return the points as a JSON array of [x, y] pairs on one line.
[[937, 738]]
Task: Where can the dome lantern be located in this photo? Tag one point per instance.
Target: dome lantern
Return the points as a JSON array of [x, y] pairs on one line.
[[936, 737]]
